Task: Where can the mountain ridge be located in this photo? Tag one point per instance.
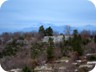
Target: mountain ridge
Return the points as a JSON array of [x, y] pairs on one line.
[[55, 28]]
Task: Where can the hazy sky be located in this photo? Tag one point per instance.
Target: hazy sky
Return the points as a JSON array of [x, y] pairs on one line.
[[26, 13]]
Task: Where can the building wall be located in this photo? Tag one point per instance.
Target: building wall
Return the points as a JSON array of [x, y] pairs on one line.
[[55, 38]]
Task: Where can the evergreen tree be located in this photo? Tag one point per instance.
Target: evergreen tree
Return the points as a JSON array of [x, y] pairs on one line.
[[49, 31], [41, 30], [76, 42], [75, 33], [10, 49], [95, 39], [35, 51], [26, 69], [50, 49], [63, 46]]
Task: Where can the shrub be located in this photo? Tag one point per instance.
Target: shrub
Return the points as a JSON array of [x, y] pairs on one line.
[[26, 69], [92, 58]]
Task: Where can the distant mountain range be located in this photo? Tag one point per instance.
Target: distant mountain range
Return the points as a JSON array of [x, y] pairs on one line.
[[62, 28], [56, 28]]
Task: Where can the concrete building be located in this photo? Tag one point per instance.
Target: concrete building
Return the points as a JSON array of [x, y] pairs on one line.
[[56, 39]]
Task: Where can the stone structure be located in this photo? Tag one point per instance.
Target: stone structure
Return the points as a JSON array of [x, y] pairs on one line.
[[56, 39]]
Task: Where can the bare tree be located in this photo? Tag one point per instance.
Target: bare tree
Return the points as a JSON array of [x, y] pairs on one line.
[[67, 30], [85, 34]]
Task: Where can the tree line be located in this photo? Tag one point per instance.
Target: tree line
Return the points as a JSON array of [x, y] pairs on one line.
[[31, 51]]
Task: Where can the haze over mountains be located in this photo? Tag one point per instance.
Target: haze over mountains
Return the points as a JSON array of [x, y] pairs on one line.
[[56, 28], [61, 28]]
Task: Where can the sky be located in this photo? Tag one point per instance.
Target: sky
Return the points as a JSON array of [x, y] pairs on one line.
[[19, 14]]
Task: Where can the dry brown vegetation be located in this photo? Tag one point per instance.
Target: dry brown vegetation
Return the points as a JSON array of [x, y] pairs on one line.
[[20, 49]]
